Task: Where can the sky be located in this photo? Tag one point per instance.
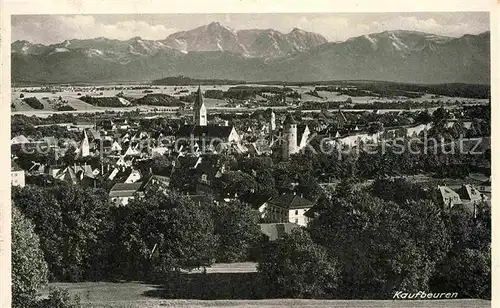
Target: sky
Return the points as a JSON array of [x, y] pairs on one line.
[[50, 29]]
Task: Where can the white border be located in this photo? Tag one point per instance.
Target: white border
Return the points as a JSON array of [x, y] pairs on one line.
[[12, 7]]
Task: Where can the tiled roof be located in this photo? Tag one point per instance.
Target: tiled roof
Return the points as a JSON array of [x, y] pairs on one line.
[[289, 120], [14, 167], [289, 201], [468, 192], [210, 131], [124, 189]]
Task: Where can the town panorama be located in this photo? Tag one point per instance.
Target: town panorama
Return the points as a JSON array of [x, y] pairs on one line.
[[217, 163]]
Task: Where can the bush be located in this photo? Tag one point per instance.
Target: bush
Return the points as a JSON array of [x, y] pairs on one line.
[[65, 108], [29, 270], [59, 298]]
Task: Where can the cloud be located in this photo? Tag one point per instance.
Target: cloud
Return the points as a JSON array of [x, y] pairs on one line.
[[429, 25], [335, 27], [58, 28]]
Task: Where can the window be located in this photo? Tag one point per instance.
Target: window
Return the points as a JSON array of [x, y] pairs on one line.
[[296, 220], [296, 212], [204, 178]]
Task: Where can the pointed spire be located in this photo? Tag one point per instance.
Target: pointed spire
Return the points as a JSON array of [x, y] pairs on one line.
[[289, 120], [199, 97]]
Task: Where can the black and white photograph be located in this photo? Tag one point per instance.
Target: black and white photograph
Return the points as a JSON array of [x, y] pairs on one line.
[[274, 159]]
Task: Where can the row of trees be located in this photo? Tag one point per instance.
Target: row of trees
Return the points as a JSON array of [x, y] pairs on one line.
[[88, 239]]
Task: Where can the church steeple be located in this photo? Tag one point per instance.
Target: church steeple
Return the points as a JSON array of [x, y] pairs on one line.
[[200, 111]]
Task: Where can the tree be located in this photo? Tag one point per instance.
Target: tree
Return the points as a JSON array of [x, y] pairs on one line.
[[380, 246], [239, 183], [236, 226], [295, 267], [72, 241], [29, 269], [162, 232], [308, 187], [466, 269], [467, 272]]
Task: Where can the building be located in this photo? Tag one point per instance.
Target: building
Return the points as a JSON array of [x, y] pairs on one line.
[[208, 133], [135, 176], [200, 110], [85, 146], [286, 208], [76, 174], [469, 194], [449, 196], [204, 137], [17, 176], [485, 187], [272, 124], [289, 136], [122, 193], [21, 139]]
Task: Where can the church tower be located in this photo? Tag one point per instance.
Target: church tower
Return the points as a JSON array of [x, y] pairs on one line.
[[200, 111], [290, 136], [272, 123], [85, 147]]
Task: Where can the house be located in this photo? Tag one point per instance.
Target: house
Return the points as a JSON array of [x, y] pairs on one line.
[[286, 208], [158, 180], [21, 139], [417, 130], [274, 231], [121, 124], [208, 133], [55, 169], [469, 194], [122, 193], [83, 175], [485, 187], [17, 176], [449, 196], [135, 176], [159, 151]]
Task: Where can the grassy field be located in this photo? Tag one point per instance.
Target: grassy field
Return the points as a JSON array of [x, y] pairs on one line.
[[72, 97], [223, 285], [138, 294]]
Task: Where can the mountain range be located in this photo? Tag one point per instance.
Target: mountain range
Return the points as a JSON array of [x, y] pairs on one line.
[[219, 52]]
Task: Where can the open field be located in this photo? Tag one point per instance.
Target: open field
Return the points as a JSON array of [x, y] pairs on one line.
[[223, 285], [72, 97], [139, 294]]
